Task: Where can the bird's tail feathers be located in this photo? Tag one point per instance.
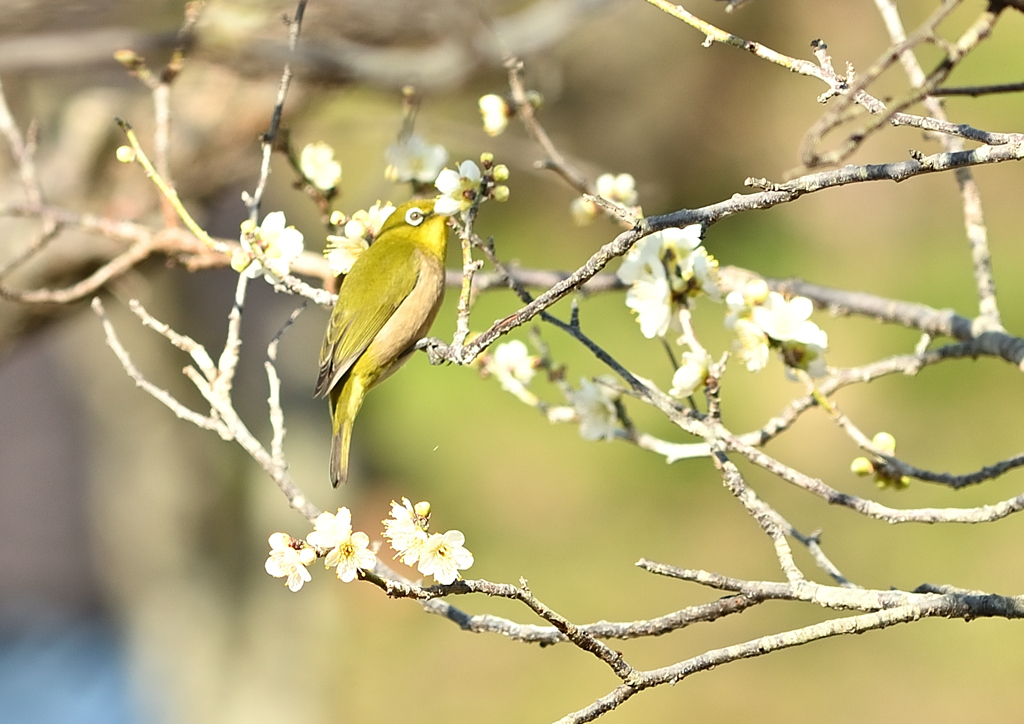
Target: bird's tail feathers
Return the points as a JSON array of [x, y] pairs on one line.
[[345, 404], [339, 454]]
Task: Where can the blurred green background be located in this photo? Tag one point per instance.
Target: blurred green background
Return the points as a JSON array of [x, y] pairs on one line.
[[115, 511]]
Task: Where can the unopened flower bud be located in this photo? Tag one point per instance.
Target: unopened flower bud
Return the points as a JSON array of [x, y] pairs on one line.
[[862, 466], [884, 442], [125, 154]]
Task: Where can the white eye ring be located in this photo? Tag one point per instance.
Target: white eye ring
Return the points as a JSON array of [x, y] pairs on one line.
[[414, 216]]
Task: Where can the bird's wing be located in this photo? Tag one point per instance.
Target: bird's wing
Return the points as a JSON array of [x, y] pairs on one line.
[[354, 326]]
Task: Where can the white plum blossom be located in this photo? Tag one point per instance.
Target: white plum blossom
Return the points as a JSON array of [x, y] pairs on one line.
[[751, 341], [319, 167], [413, 159], [595, 408], [620, 188], [752, 344], [406, 529], [288, 559], [437, 555], [800, 341], [583, 210], [649, 295], [444, 555], [762, 319], [705, 274], [346, 550], [512, 364], [686, 238], [692, 373], [642, 261], [495, 112], [650, 298], [359, 231], [342, 251], [788, 321], [807, 357], [280, 245], [678, 247], [665, 271], [458, 188]]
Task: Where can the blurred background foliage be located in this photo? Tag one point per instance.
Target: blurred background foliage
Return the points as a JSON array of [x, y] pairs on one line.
[[116, 513]]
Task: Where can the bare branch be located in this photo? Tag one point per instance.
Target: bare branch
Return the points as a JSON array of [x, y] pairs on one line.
[[223, 418], [270, 137], [180, 411], [949, 606], [979, 90]]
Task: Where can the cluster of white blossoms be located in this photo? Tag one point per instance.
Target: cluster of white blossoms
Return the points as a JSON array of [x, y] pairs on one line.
[[512, 365], [343, 549], [593, 404], [271, 248], [348, 552], [619, 188], [666, 271], [415, 160], [595, 409], [441, 555], [764, 320], [316, 161], [469, 184], [277, 244], [358, 231]]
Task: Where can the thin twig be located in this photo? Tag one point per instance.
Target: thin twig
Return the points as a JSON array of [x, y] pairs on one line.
[[974, 220], [202, 421], [274, 397], [524, 111], [228, 424], [949, 606], [978, 90], [22, 151], [955, 53], [270, 137]]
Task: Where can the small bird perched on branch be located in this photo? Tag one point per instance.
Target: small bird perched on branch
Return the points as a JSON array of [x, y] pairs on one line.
[[386, 304]]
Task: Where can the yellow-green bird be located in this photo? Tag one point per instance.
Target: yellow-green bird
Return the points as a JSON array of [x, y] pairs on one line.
[[386, 303]]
